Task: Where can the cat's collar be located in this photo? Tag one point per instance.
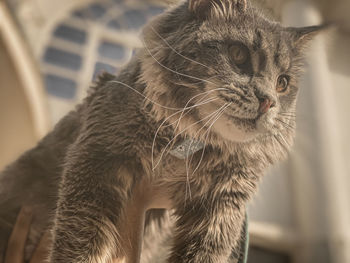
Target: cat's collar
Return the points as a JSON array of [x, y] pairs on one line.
[[186, 148]]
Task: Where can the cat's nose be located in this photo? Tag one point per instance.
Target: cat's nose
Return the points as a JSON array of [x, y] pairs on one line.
[[265, 104], [266, 101]]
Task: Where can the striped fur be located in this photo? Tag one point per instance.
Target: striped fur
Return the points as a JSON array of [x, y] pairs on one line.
[[92, 178]]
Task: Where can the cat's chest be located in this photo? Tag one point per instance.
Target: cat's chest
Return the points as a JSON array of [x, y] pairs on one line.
[[169, 176], [200, 174]]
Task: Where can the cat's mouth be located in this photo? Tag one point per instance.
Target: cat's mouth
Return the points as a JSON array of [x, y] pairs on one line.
[[244, 127], [240, 129], [261, 123], [249, 123]]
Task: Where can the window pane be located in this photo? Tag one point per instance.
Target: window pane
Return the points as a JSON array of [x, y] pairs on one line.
[[111, 50], [63, 58], [70, 34], [60, 87]]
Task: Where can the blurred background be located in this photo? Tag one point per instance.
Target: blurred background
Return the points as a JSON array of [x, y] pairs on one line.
[[50, 51]]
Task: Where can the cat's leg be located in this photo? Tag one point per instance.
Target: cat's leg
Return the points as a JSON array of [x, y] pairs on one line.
[[95, 189], [207, 230], [157, 236]]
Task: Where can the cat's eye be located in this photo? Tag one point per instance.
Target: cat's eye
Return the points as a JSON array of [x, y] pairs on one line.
[[282, 83], [212, 45], [239, 54]]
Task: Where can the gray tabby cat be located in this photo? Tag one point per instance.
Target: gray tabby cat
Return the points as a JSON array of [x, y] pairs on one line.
[[213, 71]]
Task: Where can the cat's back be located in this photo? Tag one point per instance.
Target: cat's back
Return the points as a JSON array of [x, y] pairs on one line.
[[113, 104], [115, 113], [33, 179], [38, 170]]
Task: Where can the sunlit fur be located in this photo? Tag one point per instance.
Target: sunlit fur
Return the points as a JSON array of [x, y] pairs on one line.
[[83, 179], [181, 52]]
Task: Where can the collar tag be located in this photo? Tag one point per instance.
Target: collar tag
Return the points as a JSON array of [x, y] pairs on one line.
[[186, 148]]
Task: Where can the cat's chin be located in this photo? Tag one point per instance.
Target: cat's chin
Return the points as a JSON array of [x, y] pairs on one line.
[[265, 122], [230, 131], [244, 131]]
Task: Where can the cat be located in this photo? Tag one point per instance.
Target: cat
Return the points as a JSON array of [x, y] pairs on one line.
[[214, 73]]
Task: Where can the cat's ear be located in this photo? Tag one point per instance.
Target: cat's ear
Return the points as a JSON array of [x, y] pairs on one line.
[[302, 35], [216, 8]]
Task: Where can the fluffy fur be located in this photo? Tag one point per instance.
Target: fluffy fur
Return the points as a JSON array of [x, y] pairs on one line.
[[91, 179]]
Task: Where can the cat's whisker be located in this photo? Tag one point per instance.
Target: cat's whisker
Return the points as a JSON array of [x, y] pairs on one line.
[[285, 124], [275, 136], [142, 95], [293, 115], [287, 114], [178, 134], [188, 110], [287, 128], [285, 144], [223, 107], [216, 113], [182, 111], [178, 53], [145, 97], [174, 71], [284, 120], [183, 114], [207, 132], [231, 87], [274, 146], [155, 136], [194, 83], [172, 140], [206, 93], [206, 137], [290, 120], [216, 117]]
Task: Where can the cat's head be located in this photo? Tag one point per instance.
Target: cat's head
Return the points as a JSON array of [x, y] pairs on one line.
[[240, 67]]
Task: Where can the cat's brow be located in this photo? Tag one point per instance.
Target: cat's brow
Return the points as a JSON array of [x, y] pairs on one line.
[[262, 60], [280, 57], [257, 43], [261, 55]]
